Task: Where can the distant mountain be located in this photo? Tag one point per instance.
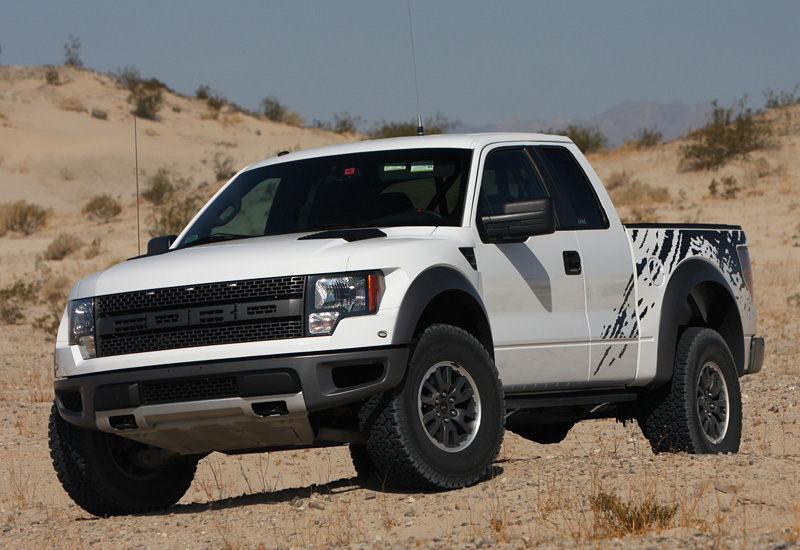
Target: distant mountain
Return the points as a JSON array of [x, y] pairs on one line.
[[620, 122]]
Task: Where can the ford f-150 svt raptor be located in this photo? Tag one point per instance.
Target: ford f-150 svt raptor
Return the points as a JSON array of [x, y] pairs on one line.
[[411, 297]]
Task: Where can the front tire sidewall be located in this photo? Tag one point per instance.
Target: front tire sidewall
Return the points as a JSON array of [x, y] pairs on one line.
[[465, 465]]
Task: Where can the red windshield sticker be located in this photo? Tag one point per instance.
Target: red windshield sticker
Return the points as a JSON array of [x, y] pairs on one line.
[[349, 171]]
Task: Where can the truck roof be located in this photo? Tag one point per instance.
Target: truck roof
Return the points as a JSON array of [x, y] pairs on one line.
[[456, 141]]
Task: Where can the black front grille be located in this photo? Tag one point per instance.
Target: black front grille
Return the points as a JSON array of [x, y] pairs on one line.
[[189, 390], [200, 315]]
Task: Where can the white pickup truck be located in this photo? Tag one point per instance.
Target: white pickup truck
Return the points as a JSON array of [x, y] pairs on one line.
[[412, 298]]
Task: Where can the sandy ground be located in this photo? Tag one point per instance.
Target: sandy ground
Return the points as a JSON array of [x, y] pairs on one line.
[[539, 496]]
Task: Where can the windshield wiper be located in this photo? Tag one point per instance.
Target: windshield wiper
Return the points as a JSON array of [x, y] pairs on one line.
[[216, 238]]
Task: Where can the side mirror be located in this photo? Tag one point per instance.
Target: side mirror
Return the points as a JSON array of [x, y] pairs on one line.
[[521, 219], [159, 245]]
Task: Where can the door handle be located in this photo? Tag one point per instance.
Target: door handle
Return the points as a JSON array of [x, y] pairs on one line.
[[572, 262]]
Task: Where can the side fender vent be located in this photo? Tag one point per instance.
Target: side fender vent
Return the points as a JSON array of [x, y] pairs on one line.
[[469, 254]]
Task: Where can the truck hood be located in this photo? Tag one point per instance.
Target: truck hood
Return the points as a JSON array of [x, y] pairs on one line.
[[259, 257]]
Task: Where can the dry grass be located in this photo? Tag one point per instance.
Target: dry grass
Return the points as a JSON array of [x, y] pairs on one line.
[[74, 104], [62, 246]]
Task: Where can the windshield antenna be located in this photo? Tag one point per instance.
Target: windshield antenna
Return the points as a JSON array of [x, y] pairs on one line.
[[420, 130], [136, 154]]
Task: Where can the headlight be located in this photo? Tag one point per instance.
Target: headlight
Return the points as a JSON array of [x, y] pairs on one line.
[[333, 297], [81, 326]]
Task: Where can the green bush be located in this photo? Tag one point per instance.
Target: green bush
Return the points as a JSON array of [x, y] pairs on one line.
[[72, 52], [13, 300], [223, 166], [436, 125], [23, 217], [646, 138], [146, 102], [730, 188], [102, 208], [171, 218], [782, 99], [730, 133], [589, 139], [159, 187], [273, 109], [62, 246], [128, 77], [51, 76], [202, 91]]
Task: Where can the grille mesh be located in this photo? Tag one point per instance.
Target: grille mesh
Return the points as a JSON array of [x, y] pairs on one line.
[[189, 390], [200, 315]]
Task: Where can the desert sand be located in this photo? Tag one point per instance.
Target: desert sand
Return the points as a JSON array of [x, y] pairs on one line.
[[55, 154]]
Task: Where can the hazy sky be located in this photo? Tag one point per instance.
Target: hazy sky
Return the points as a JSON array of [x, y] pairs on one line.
[[478, 62]]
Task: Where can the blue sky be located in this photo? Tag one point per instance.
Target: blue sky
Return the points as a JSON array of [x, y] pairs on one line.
[[477, 62]]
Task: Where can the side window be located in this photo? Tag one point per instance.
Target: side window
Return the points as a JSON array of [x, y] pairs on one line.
[[576, 204], [508, 175]]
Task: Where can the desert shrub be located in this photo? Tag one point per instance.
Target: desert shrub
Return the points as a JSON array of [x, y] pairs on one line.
[[128, 77], [730, 133], [782, 99], [72, 104], [62, 246], [273, 109], [730, 188], [202, 91], [293, 119], [343, 123], [589, 139], [102, 208], [614, 517], [93, 250], [146, 102], [216, 101], [24, 217], [170, 219], [625, 190], [646, 138], [66, 174], [72, 51], [223, 166], [439, 124], [51, 76], [13, 300], [159, 187]]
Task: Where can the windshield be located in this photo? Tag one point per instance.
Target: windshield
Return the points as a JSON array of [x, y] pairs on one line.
[[412, 187]]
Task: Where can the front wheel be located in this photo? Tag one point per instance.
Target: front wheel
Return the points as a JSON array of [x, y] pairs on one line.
[[101, 474], [443, 427], [700, 410]]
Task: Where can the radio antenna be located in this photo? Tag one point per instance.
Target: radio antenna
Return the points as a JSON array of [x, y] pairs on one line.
[[136, 154], [420, 130]]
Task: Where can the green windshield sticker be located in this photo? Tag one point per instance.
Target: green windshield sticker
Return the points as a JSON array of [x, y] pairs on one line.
[[394, 167], [422, 166]]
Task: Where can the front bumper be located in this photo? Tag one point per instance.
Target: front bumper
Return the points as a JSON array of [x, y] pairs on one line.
[[260, 402]]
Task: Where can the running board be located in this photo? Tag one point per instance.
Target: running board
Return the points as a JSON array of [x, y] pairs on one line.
[[567, 399]]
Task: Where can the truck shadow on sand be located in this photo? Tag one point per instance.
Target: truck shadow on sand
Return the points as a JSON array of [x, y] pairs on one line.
[[293, 494]]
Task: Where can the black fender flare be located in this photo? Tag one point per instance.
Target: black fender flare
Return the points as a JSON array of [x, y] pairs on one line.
[[423, 290], [682, 282]]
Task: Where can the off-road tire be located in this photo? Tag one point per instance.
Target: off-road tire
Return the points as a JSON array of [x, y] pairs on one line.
[[700, 410], [544, 434], [443, 426], [92, 468]]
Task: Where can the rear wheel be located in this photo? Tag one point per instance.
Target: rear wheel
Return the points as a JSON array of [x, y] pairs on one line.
[[101, 473], [443, 427], [700, 410]]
